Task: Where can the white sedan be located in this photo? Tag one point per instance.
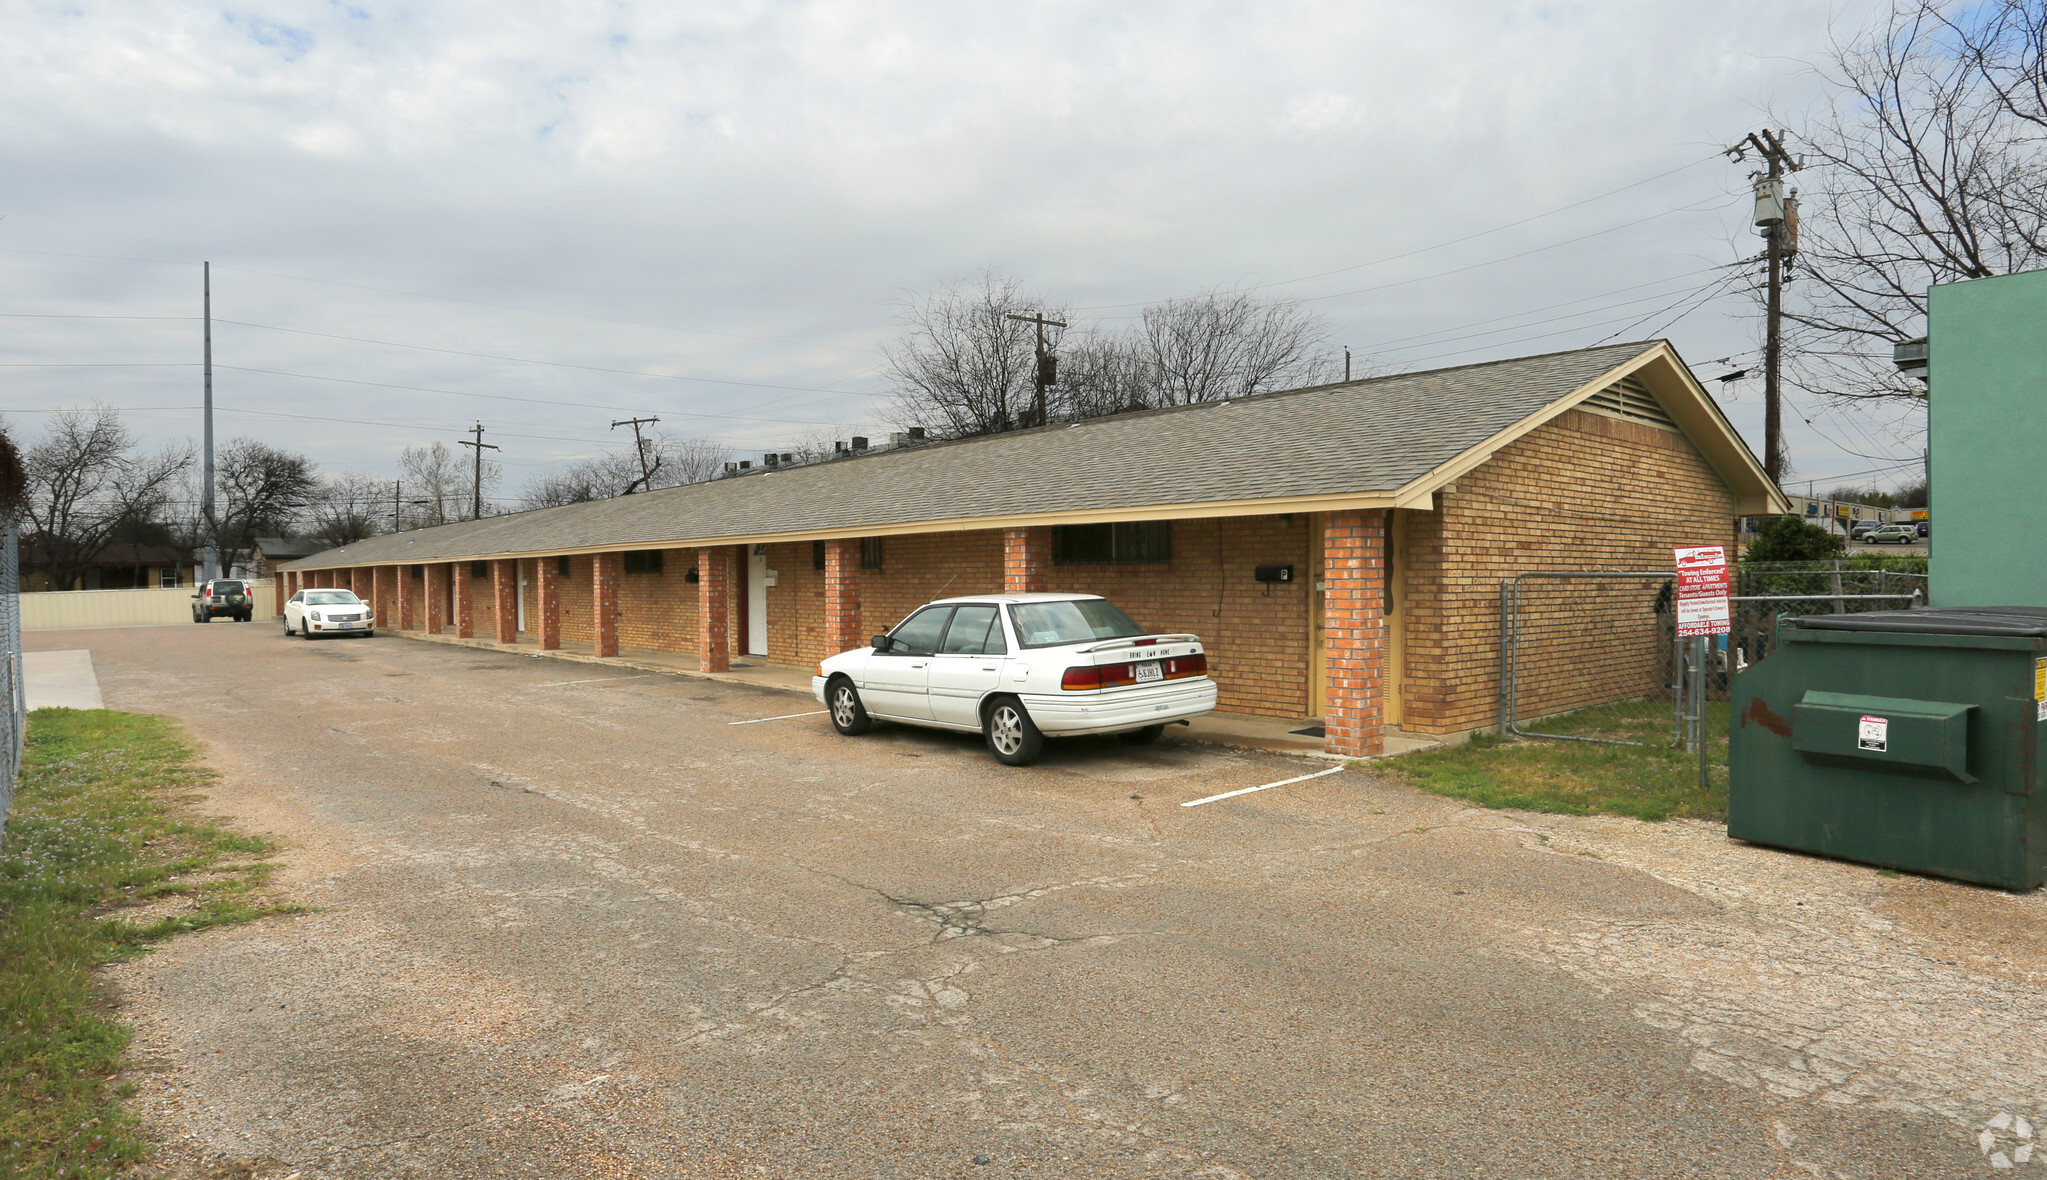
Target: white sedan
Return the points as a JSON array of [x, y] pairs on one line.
[[328, 612], [1019, 668]]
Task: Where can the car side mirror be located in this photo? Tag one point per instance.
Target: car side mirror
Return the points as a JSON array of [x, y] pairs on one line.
[[882, 642]]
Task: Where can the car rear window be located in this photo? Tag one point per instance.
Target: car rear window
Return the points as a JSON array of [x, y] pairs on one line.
[[227, 587], [1049, 624]]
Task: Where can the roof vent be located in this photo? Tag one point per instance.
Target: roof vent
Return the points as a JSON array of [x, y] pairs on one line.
[[859, 442], [770, 459], [787, 458], [898, 438], [1629, 399], [838, 446], [731, 468], [746, 465], [916, 434]]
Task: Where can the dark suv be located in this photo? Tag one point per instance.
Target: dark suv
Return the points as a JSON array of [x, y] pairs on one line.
[[223, 597]]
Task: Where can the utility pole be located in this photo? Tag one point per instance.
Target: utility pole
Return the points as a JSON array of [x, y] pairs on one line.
[[1048, 365], [210, 562], [1346, 362], [1776, 218], [476, 512], [640, 449], [398, 503]]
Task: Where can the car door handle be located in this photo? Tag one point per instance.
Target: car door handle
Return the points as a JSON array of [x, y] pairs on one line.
[[987, 667], [916, 665]]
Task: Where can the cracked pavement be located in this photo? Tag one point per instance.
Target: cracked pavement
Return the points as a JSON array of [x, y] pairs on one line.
[[595, 930]]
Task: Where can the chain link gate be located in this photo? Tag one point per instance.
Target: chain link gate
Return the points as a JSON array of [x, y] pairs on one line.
[[1593, 655]]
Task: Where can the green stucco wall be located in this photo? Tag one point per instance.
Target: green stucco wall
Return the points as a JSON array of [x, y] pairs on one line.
[[1987, 427]]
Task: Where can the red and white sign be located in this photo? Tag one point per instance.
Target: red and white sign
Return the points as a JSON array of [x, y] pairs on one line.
[[1703, 580]]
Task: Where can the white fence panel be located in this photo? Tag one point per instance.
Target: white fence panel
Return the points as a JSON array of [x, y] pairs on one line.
[[51, 610]]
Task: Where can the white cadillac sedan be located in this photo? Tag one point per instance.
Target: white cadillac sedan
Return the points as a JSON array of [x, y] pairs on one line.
[[1019, 668], [328, 612]]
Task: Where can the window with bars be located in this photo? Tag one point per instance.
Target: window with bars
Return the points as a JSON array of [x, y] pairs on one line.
[[643, 561], [479, 569], [1140, 542], [870, 553]]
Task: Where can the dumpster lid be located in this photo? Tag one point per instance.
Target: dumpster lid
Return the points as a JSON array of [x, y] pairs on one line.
[[1977, 620]]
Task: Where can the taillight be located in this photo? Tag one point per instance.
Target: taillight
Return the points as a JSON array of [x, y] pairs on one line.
[[1118, 675], [1194, 665], [1078, 679]]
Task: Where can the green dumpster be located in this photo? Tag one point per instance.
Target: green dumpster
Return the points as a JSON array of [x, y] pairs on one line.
[[1909, 739]]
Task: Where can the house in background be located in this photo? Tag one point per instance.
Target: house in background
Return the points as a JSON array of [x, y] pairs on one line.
[[120, 566], [270, 552]]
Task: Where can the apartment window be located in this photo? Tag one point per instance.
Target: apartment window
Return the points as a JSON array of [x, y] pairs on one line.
[[561, 567], [870, 553], [817, 555], [1142, 542], [418, 573], [479, 569], [643, 561]]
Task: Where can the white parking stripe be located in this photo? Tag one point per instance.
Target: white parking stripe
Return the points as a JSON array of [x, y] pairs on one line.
[[1266, 787], [599, 680], [783, 717]]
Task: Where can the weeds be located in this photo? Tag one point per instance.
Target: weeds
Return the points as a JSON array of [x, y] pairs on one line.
[[99, 829]]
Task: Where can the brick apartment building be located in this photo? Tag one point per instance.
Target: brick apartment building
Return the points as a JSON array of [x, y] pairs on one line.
[[1398, 502]]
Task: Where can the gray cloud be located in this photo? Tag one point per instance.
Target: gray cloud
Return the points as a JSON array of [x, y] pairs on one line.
[[740, 191]]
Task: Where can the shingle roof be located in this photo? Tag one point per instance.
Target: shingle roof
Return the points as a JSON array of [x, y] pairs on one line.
[[1359, 437], [285, 548]]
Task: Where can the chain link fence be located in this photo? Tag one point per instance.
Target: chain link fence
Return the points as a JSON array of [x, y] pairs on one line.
[[1592, 655], [14, 702]]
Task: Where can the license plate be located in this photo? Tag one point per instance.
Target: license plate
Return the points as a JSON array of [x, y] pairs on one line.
[[348, 624], [1150, 670]]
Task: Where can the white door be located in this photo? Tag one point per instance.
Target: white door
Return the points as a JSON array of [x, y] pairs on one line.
[[757, 602], [968, 665], [897, 682], [522, 596]]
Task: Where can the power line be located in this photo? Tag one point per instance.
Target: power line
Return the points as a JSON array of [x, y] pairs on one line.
[[1427, 339], [1444, 244]]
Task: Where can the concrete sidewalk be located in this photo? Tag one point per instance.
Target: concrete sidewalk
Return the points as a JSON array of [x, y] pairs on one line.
[[1241, 730], [60, 680]]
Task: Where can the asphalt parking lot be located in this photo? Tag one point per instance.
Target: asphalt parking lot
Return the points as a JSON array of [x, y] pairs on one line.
[[571, 921]]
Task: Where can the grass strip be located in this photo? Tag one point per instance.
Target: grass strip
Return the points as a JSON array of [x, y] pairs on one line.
[[101, 858], [1649, 781]]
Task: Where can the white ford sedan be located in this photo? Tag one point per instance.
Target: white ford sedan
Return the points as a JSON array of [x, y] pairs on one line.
[[1019, 668], [328, 612]]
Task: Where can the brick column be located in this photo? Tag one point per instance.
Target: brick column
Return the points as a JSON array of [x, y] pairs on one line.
[[714, 606], [359, 581], [465, 600], [1354, 631], [436, 602], [549, 586], [504, 584], [408, 601], [277, 592], [605, 569], [842, 596], [1026, 560]]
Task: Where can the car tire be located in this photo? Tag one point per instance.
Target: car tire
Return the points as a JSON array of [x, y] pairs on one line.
[[287, 628], [1143, 737], [1012, 736], [305, 632], [842, 700]]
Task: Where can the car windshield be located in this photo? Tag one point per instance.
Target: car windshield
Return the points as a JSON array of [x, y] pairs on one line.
[[1049, 624], [332, 598]]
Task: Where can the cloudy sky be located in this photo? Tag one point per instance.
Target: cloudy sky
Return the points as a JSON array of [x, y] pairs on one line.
[[710, 213]]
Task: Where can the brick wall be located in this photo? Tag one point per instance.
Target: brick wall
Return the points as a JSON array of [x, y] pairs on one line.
[[1582, 492], [659, 611], [482, 598], [1256, 633]]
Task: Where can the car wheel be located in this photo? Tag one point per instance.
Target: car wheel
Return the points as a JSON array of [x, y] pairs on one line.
[[306, 631], [1143, 737], [849, 716], [203, 618], [1012, 736]]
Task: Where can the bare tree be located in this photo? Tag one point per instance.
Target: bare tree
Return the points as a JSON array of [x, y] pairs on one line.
[[962, 367], [1222, 344], [445, 480], [1927, 167], [351, 507], [259, 490], [85, 480], [1102, 373], [671, 461]]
